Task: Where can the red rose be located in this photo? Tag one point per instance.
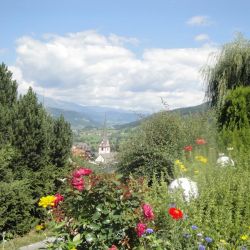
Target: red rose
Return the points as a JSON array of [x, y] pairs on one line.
[[188, 148], [200, 141], [148, 212], [140, 229], [58, 199], [175, 213], [113, 247]]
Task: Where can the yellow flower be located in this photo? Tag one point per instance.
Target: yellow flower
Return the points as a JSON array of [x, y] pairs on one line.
[[182, 167], [244, 237], [201, 158], [39, 227], [223, 241], [177, 162], [47, 201]]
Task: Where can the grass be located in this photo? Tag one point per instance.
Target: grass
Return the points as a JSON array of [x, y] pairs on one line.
[[31, 237]]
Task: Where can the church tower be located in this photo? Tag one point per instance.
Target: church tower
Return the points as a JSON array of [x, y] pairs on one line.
[[104, 147]]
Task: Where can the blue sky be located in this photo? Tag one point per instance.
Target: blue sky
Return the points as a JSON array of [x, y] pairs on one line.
[[147, 32]]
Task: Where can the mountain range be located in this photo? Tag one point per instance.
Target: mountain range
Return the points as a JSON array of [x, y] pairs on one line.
[[89, 116], [94, 116]]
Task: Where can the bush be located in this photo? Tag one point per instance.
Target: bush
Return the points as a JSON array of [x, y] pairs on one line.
[[15, 206], [153, 147], [103, 214]]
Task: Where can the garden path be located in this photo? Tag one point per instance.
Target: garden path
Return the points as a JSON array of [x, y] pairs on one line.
[[38, 245]]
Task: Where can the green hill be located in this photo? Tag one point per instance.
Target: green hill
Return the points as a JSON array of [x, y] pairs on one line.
[[182, 111]]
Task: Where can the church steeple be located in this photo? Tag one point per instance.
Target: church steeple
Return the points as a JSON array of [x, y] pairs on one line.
[[104, 147]]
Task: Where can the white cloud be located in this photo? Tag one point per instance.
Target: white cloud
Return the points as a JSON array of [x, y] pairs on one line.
[[199, 21], [93, 69], [202, 38]]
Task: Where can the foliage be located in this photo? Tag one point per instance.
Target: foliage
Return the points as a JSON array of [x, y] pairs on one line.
[[231, 70], [31, 135], [235, 112], [8, 97], [152, 148], [15, 205], [105, 213], [7, 156], [159, 141], [61, 142], [109, 211], [34, 149]]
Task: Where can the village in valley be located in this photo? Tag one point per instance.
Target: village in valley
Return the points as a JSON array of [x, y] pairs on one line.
[[102, 153]]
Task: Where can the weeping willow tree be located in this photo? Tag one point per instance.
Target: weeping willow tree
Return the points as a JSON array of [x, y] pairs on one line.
[[231, 70]]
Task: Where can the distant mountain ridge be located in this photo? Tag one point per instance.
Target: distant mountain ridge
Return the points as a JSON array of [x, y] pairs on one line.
[[88, 116]]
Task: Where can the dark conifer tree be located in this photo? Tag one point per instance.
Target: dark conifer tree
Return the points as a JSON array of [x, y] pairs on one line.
[[31, 132], [8, 98], [61, 142]]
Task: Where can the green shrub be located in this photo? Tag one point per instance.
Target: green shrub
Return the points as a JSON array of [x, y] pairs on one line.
[[153, 146], [105, 213], [15, 206]]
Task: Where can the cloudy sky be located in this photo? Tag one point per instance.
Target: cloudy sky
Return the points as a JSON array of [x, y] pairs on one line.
[[125, 54]]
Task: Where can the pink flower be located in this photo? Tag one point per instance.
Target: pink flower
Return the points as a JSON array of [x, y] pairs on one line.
[[58, 199], [140, 229], [78, 183], [113, 247], [82, 172], [148, 212]]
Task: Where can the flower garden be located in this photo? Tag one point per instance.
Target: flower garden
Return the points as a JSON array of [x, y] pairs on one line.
[[110, 211]]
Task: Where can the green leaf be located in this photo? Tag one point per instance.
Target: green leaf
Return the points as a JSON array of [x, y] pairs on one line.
[[90, 237], [77, 237]]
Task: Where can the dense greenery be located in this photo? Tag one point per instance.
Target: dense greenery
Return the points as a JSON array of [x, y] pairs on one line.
[[34, 149], [159, 141], [231, 70], [235, 112]]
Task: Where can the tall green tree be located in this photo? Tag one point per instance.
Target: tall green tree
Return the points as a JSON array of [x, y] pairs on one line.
[[8, 98], [61, 142], [231, 70], [31, 132]]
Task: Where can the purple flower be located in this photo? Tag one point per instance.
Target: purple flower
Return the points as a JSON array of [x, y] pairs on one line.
[[194, 227], [208, 239], [149, 230], [201, 247]]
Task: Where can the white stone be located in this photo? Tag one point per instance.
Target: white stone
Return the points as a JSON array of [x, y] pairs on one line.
[[190, 189]]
